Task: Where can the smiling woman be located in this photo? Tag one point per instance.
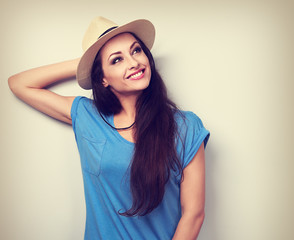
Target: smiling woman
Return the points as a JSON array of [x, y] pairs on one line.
[[127, 70], [142, 158]]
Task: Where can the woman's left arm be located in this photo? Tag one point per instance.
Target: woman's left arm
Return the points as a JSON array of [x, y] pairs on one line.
[[192, 198]]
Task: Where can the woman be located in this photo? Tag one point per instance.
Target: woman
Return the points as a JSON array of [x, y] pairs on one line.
[[142, 158]]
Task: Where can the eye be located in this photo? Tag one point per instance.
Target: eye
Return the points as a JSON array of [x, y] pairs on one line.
[[138, 49], [116, 60]]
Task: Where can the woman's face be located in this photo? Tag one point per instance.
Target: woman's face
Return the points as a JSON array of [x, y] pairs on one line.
[[125, 66]]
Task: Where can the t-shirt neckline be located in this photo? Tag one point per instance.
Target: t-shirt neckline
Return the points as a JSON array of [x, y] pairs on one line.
[[118, 134]]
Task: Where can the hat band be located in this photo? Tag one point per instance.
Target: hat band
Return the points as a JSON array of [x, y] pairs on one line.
[[108, 30]]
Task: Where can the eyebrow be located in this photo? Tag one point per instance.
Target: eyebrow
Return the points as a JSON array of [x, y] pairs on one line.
[[119, 52]]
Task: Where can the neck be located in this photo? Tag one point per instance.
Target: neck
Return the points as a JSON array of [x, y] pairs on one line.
[[128, 113]]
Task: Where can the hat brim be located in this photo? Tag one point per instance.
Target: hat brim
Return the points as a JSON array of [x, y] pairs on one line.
[[142, 28]]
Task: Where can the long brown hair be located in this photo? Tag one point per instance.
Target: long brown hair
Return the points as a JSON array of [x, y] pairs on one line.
[[155, 154]]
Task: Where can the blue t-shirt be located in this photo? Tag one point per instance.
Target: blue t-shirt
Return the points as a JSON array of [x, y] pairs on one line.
[[105, 160]]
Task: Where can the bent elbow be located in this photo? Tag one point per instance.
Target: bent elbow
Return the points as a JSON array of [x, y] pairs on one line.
[[13, 83]]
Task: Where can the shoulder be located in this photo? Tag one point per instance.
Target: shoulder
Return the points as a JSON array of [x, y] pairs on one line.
[[82, 107], [80, 103], [80, 100], [188, 119], [191, 129]]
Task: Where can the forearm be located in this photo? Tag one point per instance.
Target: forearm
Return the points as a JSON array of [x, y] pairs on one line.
[[41, 77], [30, 85], [189, 227]]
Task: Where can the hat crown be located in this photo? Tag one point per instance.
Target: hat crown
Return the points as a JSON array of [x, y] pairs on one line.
[[97, 27], [102, 30]]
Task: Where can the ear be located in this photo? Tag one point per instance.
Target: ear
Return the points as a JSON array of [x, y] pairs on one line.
[[105, 83]]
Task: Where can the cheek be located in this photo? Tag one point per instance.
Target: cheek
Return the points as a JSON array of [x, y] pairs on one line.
[[148, 65], [113, 75], [109, 72], [146, 60]]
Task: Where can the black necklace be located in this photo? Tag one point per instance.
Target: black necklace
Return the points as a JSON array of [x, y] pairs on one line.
[[125, 128]]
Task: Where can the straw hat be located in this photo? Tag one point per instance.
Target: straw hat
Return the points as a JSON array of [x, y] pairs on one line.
[[98, 33]]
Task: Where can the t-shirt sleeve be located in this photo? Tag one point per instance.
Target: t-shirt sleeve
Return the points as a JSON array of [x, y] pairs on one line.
[[74, 110], [194, 135]]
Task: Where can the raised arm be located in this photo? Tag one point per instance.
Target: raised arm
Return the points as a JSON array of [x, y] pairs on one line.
[[30, 87]]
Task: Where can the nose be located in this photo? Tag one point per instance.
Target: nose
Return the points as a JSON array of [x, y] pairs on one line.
[[132, 63]]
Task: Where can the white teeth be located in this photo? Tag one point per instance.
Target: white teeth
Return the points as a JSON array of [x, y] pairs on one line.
[[137, 74]]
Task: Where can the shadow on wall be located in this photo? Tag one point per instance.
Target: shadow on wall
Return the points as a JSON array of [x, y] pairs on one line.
[[210, 225]]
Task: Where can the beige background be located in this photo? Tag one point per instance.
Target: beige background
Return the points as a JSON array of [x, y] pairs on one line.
[[231, 62]]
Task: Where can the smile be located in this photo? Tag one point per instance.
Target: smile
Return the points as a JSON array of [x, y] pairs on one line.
[[137, 75]]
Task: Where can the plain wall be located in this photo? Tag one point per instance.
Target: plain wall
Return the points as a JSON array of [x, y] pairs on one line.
[[231, 62]]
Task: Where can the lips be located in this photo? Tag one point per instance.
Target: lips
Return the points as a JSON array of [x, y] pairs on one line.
[[136, 75]]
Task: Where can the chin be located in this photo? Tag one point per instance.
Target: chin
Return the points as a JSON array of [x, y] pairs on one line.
[[145, 85]]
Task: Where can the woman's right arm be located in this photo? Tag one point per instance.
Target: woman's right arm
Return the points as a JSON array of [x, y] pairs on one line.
[[30, 87]]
